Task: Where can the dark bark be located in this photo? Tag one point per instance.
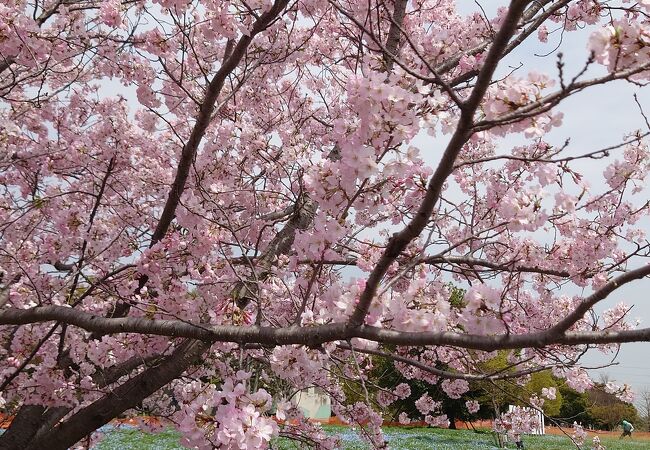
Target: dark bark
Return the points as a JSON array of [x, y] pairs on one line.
[[124, 397], [36, 427], [22, 428], [315, 335], [394, 34], [281, 244]]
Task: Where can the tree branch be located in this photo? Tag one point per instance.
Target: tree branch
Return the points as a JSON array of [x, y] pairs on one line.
[[316, 335], [400, 240], [124, 397], [508, 266], [393, 40], [26, 421], [546, 103], [232, 59], [445, 373], [587, 303], [203, 119]]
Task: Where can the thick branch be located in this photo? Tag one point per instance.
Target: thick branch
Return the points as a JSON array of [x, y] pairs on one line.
[[34, 421], [400, 240], [6, 289], [281, 244], [104, 325], [20, 432], [4, 65], [316, 335], [124, 397], [446, 373], [393, 40], [587, 303], [501, 342]]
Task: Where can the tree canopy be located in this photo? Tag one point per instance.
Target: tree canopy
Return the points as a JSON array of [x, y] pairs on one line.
[[207, 206]]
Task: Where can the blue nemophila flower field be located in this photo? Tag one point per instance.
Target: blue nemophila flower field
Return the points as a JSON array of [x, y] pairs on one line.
[[398, 439]]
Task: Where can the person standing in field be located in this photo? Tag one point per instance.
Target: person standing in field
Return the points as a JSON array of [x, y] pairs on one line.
[[627, 429]]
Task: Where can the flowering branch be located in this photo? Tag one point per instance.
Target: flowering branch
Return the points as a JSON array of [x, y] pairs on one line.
[[399, 241]]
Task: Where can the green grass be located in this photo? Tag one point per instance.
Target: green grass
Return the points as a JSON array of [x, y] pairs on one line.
[[398, 438]]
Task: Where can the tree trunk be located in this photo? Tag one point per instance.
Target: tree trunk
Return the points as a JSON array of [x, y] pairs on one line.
[[124, 397], [23, 428]]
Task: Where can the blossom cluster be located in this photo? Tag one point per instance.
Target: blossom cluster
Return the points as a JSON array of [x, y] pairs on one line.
[[230, 416]]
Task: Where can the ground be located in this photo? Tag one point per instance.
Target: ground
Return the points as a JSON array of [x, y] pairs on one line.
[[398, 438]]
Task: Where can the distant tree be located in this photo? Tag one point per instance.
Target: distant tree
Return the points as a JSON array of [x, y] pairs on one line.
[[607, 410], [385, 376], [498, 394], [574, 407], [545, 380], [608, 417], [387, 373], [644, 406]]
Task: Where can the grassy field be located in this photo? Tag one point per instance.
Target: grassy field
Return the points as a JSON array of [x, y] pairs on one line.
[[398, 439]]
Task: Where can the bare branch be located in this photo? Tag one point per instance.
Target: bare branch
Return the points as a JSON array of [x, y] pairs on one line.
[[546, 103], [446, 373], [508, 266]]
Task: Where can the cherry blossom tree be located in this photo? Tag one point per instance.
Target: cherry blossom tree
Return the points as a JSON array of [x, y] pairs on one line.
[[210, 205]]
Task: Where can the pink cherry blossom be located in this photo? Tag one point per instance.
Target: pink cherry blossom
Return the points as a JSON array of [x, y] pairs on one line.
[[402, 390], [472, 406], [211, 209]]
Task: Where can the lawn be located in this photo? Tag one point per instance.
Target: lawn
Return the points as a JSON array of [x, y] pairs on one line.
[[398, 438]]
